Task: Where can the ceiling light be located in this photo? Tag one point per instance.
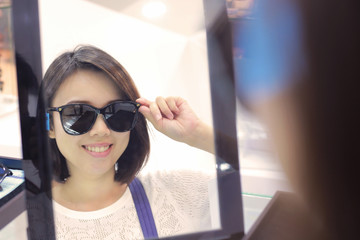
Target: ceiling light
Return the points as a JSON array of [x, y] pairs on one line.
[[154, 9]]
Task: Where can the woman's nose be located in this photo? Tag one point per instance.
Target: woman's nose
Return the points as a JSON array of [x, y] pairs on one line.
[[100, 128]]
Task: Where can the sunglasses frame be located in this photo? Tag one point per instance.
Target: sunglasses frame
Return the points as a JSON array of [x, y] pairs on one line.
[[7, 172], [97, 111]]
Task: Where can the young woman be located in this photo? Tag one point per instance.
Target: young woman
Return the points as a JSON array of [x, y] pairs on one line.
[[99, 142]]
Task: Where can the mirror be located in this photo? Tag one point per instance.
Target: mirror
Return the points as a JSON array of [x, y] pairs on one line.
[[10, 139], [166, 56], [12, 197], [163, 56]]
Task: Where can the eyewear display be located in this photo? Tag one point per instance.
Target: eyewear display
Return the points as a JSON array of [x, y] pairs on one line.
[[77, 119], [4, 172]]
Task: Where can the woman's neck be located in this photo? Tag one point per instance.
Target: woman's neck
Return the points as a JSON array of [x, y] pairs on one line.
[[81, 193]]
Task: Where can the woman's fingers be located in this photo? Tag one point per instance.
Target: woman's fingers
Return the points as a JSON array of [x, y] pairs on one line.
[[161, 107], [150, 112], [143, 101], [164, 108], [149, 116], [172, 104], [145, 109], [155, 111]]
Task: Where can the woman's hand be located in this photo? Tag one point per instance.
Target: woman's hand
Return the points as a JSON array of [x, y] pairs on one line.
[[173, 117]]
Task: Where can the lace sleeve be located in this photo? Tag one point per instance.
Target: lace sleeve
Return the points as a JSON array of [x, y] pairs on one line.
[[179, 200]]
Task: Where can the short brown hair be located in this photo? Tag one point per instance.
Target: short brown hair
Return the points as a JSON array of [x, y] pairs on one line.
[[86, 57]]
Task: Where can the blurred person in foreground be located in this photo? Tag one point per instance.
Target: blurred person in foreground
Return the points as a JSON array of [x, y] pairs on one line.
[[299, 74]]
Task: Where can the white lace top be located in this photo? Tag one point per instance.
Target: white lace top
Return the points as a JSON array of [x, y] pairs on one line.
[[179, 202]]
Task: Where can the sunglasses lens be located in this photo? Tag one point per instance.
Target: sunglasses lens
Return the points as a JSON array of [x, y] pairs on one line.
[[78, 119], [121, 116]]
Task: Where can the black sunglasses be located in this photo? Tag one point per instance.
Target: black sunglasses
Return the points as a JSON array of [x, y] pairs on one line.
[[78, 118], [4, 172]]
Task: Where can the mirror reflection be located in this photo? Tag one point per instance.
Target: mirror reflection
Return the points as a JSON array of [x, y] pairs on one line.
[[10, 139], [129, 118], [12, 199]]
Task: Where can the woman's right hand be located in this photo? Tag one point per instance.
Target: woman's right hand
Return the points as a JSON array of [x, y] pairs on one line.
[[174, 117]]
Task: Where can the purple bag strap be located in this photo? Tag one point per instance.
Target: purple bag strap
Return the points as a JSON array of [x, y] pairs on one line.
[[143, 209]]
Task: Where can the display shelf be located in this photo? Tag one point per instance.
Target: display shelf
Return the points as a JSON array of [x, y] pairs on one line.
[[12, 197]]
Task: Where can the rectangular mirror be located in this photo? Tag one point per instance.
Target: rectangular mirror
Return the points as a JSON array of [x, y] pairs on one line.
[[178, 54], [166, 56]]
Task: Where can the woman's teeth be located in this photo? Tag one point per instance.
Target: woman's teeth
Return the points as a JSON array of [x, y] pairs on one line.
[[97, 149]]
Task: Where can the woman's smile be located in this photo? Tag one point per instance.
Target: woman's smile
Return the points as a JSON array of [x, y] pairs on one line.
[[98, 150]]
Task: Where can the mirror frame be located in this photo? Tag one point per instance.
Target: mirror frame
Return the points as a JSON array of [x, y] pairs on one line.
[[222, 85], [26, 33]]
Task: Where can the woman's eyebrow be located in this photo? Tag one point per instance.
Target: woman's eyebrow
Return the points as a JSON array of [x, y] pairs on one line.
[[90, 103], [78, 101]]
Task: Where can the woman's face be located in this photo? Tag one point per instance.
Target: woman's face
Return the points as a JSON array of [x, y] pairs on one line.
[[81, 152]]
